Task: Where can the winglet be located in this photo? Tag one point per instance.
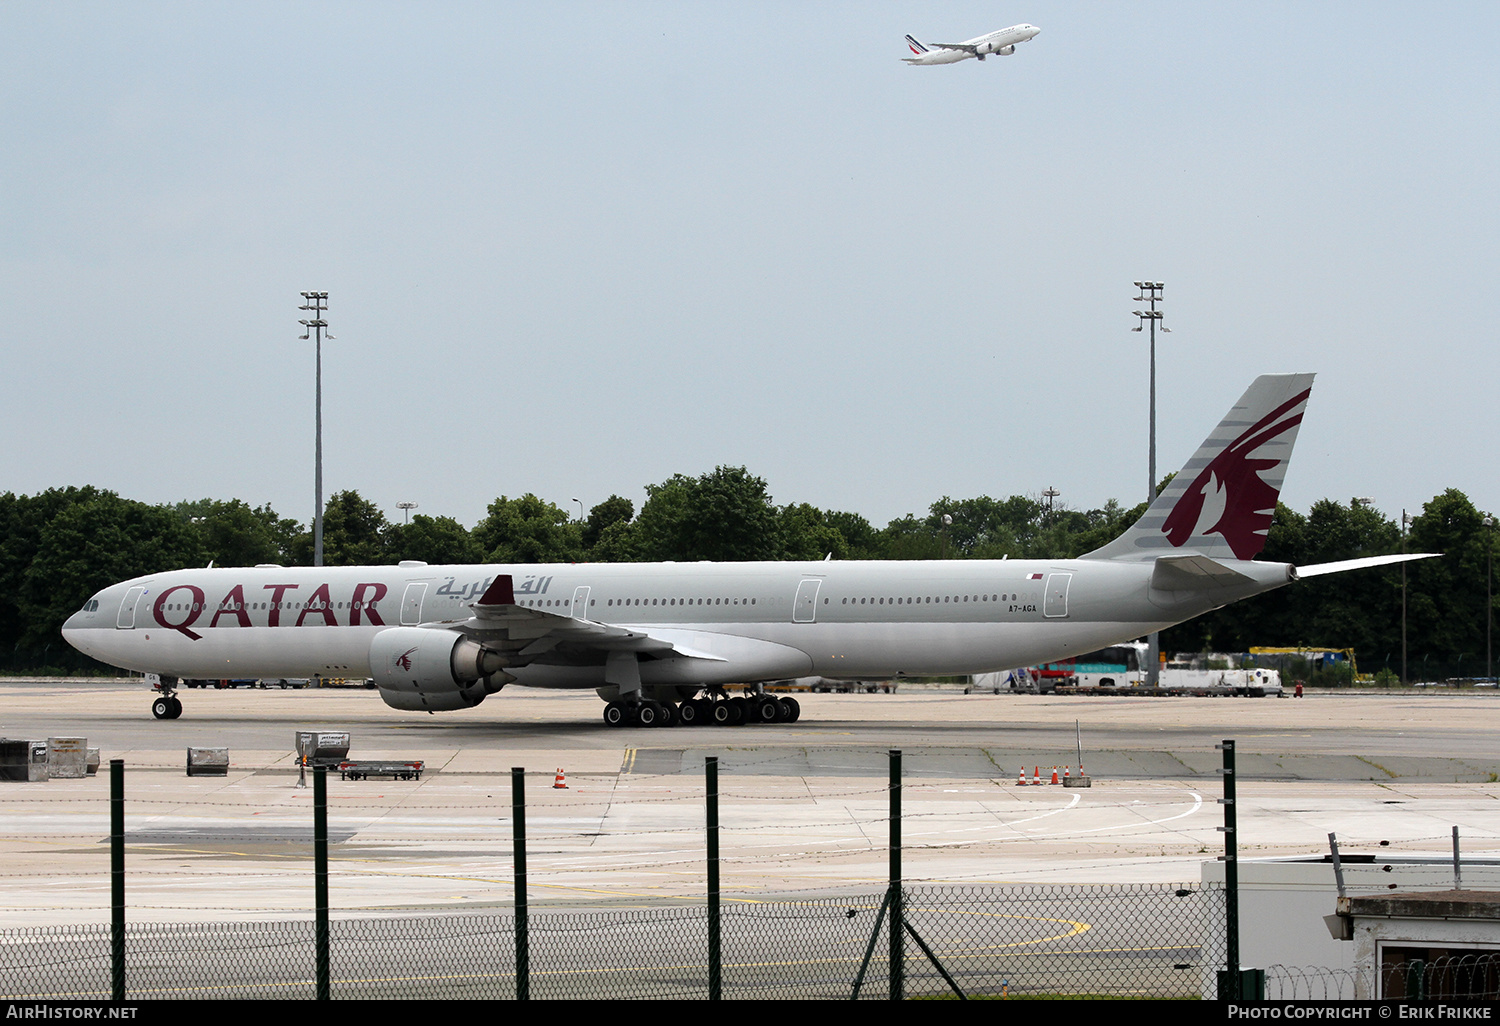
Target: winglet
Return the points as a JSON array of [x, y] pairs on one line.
[[500, 593]]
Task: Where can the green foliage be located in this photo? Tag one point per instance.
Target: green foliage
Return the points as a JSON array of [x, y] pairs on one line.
[[528, 530], [809, 534], [234, 534], [94, 543], [613, 510], [860, 537], [435, 540], [353, 533], [726, 515], [22, 520]]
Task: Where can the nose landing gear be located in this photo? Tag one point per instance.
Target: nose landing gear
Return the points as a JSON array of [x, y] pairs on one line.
[[166, 706]]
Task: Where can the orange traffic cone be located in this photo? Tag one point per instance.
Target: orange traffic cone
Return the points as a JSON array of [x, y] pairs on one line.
[[1066, 774], [1036, 780], [1022, 781], [1054, 776], [560, 781]]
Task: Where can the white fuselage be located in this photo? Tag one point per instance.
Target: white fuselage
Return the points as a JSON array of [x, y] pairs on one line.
[[758, 621], [981, 46]]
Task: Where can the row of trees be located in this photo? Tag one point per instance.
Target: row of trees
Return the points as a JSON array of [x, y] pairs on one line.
[[60, 546]]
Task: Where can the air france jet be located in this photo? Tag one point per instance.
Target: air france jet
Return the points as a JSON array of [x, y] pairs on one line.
[[661, 642], [1002, 42]]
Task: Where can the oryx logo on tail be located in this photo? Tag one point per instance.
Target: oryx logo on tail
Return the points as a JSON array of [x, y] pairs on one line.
[[1229, 497], [1221, 502]]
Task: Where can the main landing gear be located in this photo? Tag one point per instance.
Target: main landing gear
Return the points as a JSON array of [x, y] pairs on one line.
[[166, 706], [720, 712]]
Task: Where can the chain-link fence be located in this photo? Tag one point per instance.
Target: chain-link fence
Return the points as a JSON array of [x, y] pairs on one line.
[[1074, 941]]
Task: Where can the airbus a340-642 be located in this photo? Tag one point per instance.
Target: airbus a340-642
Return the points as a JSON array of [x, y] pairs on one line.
[[661, 641], [1002, 42]]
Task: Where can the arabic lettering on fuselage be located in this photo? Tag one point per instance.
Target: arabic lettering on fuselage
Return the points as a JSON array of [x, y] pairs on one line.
[[465, 592], [534, 586]]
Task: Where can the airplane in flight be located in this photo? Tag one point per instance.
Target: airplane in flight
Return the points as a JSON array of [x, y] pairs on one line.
[[1002, 42], [660, 642]]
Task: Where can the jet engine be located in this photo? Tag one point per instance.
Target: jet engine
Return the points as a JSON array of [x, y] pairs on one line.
[[1006, 51], [434, 670]]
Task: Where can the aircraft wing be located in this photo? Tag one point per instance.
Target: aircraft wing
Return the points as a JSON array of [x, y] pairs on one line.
[[966, 47], [498, 616]]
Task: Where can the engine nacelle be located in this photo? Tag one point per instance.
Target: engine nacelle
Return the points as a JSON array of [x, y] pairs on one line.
[[1006, 51], [428, 669]]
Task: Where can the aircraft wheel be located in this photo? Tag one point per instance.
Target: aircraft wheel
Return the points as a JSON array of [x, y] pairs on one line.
[[614, 715], [795, 710], [671, 715], [739, 711], [783, 711], [765, 711], [648, 714], [162, 708], [689, 714], [176, 708], [722, 715]]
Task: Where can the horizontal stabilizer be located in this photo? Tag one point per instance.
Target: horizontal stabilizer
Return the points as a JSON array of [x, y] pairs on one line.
[[1319, 569], [1193, 572]]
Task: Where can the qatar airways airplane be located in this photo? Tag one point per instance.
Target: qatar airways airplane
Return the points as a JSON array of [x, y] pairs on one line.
[[1002, 42], [661, 641]]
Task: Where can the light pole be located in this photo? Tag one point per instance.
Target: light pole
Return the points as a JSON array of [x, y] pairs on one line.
[[580, 508], [406, 507], [316, 303], [1050, 494], [1489, 598], [1405, 523], [1150, 293]]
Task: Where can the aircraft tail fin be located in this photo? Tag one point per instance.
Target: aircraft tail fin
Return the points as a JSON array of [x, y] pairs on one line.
[[1221, 502], [916, 47]]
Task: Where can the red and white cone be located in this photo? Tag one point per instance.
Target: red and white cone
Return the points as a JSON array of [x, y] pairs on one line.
[[1022, 781], [560, 781], [1054, 776]]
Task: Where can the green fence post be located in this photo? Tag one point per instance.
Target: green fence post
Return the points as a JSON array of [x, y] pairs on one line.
[[320, 878], [715, 953], [1230, 983], [518, 847], [117, 879], [898, 911]]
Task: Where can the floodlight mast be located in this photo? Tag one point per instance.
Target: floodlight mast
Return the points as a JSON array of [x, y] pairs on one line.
[[1150, 293], [316, 303]]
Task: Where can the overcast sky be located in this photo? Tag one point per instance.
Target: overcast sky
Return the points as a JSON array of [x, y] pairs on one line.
[[573, 249]]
